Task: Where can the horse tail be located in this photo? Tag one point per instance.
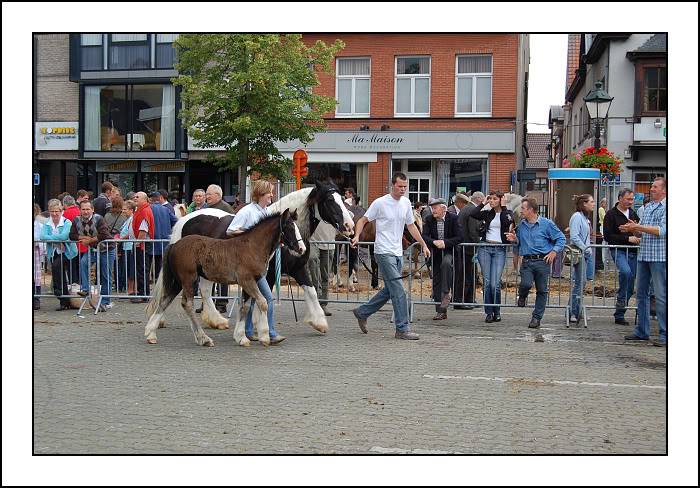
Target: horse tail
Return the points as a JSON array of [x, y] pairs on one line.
[[166, 285]]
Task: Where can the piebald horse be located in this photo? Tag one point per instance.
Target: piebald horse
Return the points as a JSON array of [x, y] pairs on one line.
[[242, 259], [313, 205]]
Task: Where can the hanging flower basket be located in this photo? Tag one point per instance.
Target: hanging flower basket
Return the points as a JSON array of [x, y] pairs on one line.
[[602, 159]]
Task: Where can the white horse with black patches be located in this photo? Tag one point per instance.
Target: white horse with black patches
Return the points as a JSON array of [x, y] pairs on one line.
[[313, 205]]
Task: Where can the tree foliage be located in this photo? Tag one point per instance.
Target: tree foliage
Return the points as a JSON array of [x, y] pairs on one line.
[[244, 92]]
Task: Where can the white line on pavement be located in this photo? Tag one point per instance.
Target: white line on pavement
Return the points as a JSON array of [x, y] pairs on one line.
[[544, 382]]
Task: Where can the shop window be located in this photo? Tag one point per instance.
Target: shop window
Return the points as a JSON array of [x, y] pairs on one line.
[[539, 184], [352, 86], [466, 176], [129, 118], [129, 51], [412, 90], [473, 85]]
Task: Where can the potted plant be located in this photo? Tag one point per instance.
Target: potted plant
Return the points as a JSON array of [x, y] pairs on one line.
[[607, 162]]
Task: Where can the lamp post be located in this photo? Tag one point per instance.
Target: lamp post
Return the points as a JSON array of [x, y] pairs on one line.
[[598, 103]]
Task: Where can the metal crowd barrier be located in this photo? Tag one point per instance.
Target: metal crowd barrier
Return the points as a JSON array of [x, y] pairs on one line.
[[510, 277], [123, 261], [604, 279]]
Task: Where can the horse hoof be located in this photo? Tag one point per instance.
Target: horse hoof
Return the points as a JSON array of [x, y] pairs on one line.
[[209, 343], [265, 343], [152, 341], [244, 342], [161, 324], [222, 326], [322, 328]]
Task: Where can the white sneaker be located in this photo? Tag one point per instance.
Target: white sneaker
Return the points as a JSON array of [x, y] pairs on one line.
[[108, 306]]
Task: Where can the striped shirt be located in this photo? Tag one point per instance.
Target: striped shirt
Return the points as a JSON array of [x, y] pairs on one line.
[[653, 248], [441, 229]]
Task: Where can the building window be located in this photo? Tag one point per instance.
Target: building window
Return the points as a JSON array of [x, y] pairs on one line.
[[412, 86], [129, 51], [538, 184], [129, 118], [90, 52], [655, 90], [473, 85], [352, 86], [165, 51]]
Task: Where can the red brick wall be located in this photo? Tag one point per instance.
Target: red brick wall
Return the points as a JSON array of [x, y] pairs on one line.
[[500, 167], [378, 178], [443, 49]]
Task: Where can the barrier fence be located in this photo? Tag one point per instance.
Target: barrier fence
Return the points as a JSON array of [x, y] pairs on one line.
[[128, 268]]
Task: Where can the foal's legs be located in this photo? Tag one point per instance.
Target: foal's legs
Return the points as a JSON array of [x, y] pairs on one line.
[[210, 315], [239, 331], [156, 319], [259, 312], [187, 304]]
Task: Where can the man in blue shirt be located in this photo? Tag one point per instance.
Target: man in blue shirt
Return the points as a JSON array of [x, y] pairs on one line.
[[538, 240], [651, 264]]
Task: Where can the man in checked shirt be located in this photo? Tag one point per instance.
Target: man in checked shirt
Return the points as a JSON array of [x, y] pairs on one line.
[[651, 264]]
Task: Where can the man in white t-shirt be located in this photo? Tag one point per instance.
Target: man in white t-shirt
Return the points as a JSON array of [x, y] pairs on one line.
[[392, 212]]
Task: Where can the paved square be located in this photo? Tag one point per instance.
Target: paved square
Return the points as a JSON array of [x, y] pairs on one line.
[[464, 387]]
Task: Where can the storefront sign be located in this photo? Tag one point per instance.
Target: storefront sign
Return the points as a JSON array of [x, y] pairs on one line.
[[56, 136], [116, 166], [163, 166], [485, 141]]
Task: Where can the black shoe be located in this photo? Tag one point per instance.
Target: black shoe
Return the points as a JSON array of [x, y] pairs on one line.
[[497, 317], [199, 310], [36, 305], [534, 324], [633, 337], [463, 307], [521, 301], [82, 293], [658, 343], [489, 318], [325, 311], [621, 322]]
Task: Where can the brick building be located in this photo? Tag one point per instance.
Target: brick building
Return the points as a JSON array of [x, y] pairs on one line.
[[447, 109]]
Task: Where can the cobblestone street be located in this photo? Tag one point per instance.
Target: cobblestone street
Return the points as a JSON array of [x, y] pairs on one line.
[[464, 387]]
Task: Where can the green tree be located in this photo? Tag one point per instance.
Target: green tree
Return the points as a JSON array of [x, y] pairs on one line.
[[244, 92]]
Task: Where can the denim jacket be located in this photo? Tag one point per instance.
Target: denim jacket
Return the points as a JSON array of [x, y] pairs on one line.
[[69, 248], [580, 232]]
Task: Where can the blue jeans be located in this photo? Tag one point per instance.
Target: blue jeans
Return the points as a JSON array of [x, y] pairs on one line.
[[584, 266], [390, 267], [267, 293], [536, 270], [627, 266], [648, 272], [87, 259], [492, 260]]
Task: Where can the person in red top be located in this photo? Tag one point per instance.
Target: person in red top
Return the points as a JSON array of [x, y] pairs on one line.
[[70, 212], [143, 227]]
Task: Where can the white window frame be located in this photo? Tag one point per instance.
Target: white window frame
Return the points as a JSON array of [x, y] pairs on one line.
[[413, 78], [354, 78], [473, 77]]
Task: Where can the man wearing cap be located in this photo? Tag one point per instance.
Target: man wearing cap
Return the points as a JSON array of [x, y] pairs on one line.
[[443, 234]]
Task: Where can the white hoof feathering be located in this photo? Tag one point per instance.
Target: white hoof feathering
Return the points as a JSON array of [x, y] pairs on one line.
[[315, 316]]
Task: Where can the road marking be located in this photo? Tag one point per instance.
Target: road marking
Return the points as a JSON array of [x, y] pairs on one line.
[[395, 450], [543, 382]]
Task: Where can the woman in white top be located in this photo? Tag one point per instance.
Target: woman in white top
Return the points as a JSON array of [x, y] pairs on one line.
[[492, 259], [246, 218]]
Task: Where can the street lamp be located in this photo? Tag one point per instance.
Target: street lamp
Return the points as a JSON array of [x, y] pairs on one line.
[[598, 103]]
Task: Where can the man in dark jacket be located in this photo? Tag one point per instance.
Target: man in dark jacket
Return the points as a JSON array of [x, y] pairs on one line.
[[442, 234], [165, 202], [465, 279], [103, 202], [90, 229], [625, 258], [164, 221]]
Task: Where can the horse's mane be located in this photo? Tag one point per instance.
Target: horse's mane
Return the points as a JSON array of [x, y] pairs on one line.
[[260, 222], [296, 200]]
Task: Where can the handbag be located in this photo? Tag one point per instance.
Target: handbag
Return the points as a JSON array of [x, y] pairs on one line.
[[572, 255]]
